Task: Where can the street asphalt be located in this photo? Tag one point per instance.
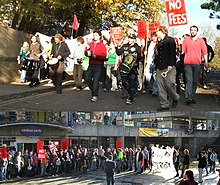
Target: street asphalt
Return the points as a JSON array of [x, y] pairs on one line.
[[19, 96]]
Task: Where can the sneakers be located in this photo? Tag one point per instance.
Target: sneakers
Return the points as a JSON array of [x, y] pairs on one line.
[[105, 89], [128, 102], [94, 98]]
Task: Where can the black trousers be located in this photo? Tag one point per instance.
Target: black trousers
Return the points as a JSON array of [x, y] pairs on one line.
[[56, 72], [129, 82]]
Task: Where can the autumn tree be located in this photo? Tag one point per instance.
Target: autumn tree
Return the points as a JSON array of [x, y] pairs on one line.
[[215, 64], [33, 15], [214, 6]]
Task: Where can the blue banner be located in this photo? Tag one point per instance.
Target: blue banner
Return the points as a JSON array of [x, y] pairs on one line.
[[70, 119]]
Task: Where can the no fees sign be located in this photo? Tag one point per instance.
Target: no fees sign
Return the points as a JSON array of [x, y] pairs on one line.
[[176, 12]]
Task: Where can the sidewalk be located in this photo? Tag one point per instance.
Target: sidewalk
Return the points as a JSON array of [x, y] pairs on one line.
[[18, 90], [98, 177]]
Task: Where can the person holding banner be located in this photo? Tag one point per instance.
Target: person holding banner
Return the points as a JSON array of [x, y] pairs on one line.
[[130, 56], [194, 48], [97, 53], [166, 69]]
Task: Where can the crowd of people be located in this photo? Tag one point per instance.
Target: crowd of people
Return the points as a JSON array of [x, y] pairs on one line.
[[157, 66], [112, 161]]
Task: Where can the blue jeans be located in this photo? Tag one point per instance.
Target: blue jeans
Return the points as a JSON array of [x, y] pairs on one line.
[[3, 173], [138, 165], [192, 73], [92, 78]]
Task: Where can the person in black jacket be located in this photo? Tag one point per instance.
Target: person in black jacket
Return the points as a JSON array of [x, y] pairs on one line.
[[202, 164], [176, 161], [110, 170], [59, 51], [186, 161], [165, 58], [131, 54], [205, 71]]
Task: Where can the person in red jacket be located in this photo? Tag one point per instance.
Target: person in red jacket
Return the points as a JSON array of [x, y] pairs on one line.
[[97, 53], [194, 48]]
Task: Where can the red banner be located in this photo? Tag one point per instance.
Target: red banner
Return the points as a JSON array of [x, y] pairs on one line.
[[176, 12], [142, 29], [64, 144], [3, 152], [118, 144], [40, 145], [42, 154], [52, 147], [116, 34], [153, 28]]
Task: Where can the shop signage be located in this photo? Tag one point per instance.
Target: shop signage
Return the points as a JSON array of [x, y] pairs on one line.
[[31, 130]]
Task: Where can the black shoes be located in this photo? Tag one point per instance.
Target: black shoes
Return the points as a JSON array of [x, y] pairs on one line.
[[189, 102], [163, 109], [174, 104]]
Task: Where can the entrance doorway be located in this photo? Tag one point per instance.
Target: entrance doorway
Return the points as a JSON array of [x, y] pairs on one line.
[[27, 146]]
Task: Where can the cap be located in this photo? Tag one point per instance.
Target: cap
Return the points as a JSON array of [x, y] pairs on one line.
[[132, 36]]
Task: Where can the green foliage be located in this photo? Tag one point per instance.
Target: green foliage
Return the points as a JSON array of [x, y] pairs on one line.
[[214, 6], [215, 64], [33, 15]]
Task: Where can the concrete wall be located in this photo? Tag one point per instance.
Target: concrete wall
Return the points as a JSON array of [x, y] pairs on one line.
[[109, 130], [104, 130], [11, 41]]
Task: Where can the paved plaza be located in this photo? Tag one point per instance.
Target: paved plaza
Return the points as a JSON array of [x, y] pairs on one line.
[[160, 177]]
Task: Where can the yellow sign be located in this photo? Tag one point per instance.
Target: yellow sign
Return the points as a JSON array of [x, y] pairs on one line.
[[153, 132]]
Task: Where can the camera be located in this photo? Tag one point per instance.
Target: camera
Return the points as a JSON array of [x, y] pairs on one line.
[[88, 53], [79, 60]]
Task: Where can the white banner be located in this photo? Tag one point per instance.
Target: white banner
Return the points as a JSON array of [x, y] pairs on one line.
[[162, 158]]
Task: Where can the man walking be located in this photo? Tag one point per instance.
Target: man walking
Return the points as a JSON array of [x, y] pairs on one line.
[[166, 69], [110, 170], [194, 48], [97, 53], [131, 54]]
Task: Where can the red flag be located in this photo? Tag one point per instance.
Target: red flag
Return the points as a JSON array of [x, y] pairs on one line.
[[75, 24]]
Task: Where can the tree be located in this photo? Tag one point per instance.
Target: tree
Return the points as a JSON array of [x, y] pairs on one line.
[[214, 6], [215, 64], [33, 15]]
